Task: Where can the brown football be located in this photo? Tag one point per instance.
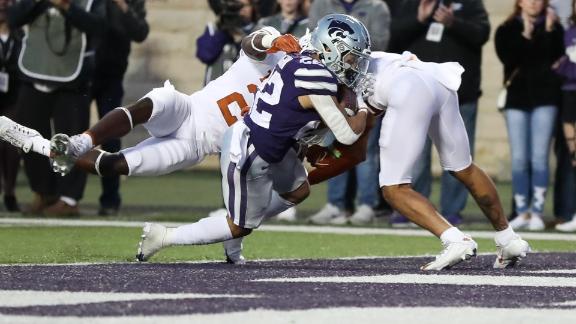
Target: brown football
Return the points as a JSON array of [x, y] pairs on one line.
[[347, 98]]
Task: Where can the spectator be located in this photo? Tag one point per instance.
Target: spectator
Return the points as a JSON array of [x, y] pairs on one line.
[[10, 44], [126, 23], [219, 46], [566, 67], [564, 186], [528, 43], [57, 62], [376, 17], [290, 18], [443, 31]]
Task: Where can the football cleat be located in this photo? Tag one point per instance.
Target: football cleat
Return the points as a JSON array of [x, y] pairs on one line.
[[453, 253], [60, 157], [508, 256], [233, 251], [16, 134], [152, 241]]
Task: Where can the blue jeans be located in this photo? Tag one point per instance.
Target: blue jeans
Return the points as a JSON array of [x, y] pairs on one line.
[[366, 176], [454, 194], [530, 135]]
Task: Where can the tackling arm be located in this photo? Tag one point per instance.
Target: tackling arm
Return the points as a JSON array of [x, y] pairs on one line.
[[268, 40]]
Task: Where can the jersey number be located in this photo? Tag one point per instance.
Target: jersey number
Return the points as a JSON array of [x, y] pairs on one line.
[[270, 94], [234, 97]]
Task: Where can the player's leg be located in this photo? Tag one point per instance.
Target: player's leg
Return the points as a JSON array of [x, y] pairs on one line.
[[402, 138], [290, 187], [162, 111], [450, 138]]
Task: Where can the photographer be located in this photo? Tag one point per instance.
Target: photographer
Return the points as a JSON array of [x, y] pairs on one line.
[[219, 46], [57, 61]]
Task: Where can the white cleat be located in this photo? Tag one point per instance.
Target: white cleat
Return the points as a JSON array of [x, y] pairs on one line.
[[233, 251], [62, 160], [568, 226], [453, 253], [289, 215], [16, 134], [152, 241], [364, 215], [326, 214], [509, 255]]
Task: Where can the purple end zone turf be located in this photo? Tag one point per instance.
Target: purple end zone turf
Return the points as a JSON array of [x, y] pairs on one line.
[[221, 278]]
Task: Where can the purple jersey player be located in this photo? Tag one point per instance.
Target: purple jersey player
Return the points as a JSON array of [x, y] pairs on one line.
[[261, 172]]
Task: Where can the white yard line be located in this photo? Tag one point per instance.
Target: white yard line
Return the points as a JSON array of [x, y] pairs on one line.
[[555, 271], [23, 298], [279, 228], [428, 315], [467, 280]]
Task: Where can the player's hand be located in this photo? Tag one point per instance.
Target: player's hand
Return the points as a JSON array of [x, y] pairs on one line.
[[315, 154], [365, 86], [285, 43]]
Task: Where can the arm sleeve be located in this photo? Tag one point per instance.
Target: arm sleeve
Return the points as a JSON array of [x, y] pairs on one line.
[[334, 119], [89, 22], [134, 21]]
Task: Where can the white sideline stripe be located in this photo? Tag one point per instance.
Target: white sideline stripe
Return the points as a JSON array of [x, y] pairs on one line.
[[566, 303], [554, 271], [280, 228], [440, 280], [24, 298], [428, 315]]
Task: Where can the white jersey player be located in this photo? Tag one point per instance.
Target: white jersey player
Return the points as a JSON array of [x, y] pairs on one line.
[[420, 100]]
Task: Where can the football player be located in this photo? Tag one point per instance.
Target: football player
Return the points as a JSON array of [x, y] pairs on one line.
[[261, 172], [421, 101]]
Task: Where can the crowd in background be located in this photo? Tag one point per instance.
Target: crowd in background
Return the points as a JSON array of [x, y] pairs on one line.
[[68, 59]]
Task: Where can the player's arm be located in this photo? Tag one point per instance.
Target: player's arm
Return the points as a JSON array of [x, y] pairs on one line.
[[333, 161], [346, 129], [268, 40]]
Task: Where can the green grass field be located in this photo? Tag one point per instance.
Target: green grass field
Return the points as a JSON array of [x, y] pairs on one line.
[[112, 244], [188, 196]]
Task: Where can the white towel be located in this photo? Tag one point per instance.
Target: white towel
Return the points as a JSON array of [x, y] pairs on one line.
[[448, 74], [239, 144]]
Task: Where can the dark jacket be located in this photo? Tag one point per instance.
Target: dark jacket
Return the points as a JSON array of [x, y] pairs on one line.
[[535, 84], [123, 28], [92, 23], [9, 64], [462, 42]]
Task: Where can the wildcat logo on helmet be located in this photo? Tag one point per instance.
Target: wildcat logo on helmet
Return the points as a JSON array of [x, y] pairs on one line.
[[340, 29]]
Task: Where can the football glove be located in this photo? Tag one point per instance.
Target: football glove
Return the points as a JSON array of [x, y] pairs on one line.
[[285, 43]]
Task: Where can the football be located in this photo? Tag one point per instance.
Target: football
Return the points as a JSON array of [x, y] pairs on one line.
[[347, 99]]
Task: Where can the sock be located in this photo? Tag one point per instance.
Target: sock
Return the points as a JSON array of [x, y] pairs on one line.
[[205, 231], [453, 234], [277, 205], [41, 145], [69, 201], [233, 247], [504, 237]]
